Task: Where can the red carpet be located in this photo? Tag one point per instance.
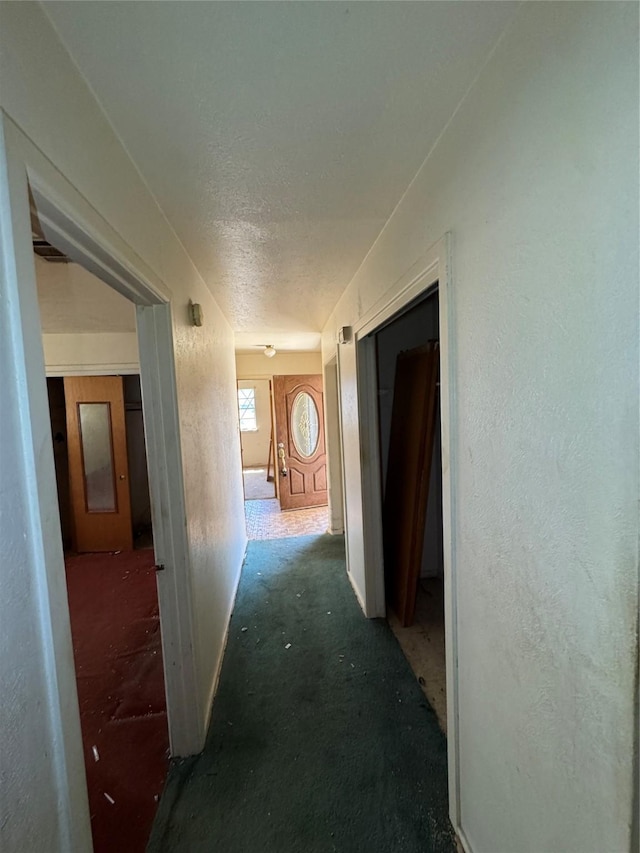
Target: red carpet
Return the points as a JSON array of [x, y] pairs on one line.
[[116, 641]]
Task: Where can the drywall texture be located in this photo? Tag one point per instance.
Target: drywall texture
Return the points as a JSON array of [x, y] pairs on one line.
[[249, 366], [87, 327], [536, 177], [43, 797], [28, 781], [291, 128], [73, 300], [43, 94], [255, 443], [92, 354]]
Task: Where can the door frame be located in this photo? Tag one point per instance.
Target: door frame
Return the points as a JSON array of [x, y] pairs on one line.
[[70, 222], [269, 381], [110, 529], [293, 456], [333, 433], [431, 271], [259, 377]]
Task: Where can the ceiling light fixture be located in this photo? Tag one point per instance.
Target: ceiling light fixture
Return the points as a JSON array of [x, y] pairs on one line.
[[270, 351]]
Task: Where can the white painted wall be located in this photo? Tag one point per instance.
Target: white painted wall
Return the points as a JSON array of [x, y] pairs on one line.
[[88, 328], [536, 177], [250, 366], [42, 783], [43, 94], [255, 444], [29, 778], [71, 299], [91, 354]]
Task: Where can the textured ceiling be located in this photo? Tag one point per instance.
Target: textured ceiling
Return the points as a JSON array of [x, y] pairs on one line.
[[289, 341], [278, 137]]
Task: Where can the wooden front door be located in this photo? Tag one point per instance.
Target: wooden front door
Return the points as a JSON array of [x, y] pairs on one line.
[[98, 470], [301, 460]]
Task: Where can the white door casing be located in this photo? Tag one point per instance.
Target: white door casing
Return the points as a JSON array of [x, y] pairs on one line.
[[359, 434], [70, 223]]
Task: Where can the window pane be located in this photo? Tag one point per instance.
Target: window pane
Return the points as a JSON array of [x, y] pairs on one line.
[[247, 409], [97, 456]]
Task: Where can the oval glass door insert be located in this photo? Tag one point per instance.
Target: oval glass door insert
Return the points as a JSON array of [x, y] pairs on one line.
[[305, 424]]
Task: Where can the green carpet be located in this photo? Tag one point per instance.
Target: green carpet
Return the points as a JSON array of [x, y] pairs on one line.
[[324, 745]]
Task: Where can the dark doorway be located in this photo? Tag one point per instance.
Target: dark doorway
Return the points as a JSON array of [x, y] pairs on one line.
[[422, 639]]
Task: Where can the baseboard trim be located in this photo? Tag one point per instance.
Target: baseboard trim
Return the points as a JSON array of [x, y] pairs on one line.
[[357, 594], [218, 671], [462, 841]]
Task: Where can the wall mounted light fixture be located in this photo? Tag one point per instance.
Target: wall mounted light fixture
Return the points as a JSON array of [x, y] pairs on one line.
[[345, 335], [195, 313]]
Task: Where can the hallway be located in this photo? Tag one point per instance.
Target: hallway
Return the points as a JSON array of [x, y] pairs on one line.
[[265, 520], [321, 739], [271, 186]]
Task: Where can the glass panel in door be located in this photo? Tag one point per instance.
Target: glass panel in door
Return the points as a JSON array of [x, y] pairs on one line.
[[305, 424], [97, 457]]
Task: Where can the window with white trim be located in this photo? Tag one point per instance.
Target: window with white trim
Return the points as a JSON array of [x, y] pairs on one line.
[[247, 409]]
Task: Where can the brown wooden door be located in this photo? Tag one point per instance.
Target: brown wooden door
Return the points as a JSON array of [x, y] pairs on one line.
[[301, 461], [413, 425], [98, 471]]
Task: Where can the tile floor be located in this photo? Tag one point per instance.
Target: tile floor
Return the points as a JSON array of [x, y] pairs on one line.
[[265, 520]]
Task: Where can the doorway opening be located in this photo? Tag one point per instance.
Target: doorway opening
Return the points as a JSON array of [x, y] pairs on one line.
[[284, 459], [100, 459], [256, 439], [334, 446], [408, 394]]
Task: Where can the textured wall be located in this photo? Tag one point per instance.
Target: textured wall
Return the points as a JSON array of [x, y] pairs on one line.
[[73, 300], [42, 92], [28, 778], [91, 354], [249, 365], [537, 179]]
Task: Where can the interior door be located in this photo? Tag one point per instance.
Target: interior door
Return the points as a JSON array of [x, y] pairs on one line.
[[98, 471], [301, 459], [413, 426]]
